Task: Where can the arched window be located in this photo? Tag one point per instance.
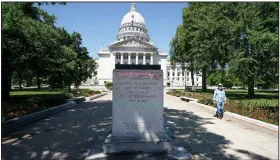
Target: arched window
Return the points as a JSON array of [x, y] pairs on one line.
[[148, 56], [119, 63], [125, 56], [133, 56], [118, 56], [147, 63]]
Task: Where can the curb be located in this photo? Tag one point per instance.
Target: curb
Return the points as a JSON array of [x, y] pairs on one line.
[[16, 123], [95, 96], [77, 99]]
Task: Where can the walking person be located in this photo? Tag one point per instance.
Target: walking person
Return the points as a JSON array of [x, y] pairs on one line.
[[219, 98]]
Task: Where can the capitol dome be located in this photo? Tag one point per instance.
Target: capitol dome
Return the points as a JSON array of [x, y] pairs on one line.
[[133, 25], [134, 16]]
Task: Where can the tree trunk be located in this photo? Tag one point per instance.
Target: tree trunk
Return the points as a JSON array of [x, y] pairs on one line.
[[185, 81], [5, 91], [251, 80], [192, 77], [10, 83], [38, 82], [20, 81], [204, 87], [69, 88]]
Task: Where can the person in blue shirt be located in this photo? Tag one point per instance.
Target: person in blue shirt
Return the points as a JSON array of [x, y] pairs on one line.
[[219, 98]]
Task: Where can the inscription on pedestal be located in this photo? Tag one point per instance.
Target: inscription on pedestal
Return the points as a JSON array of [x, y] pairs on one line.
[[137, 101]]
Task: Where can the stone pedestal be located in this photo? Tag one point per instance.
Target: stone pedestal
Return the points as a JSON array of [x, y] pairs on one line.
[[138, 124], [132, 143]]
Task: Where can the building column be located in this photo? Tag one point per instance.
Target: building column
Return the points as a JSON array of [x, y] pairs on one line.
[[121, 58], [136, 58], [176, 72], [152, 59], [129, 58], [144, 59]]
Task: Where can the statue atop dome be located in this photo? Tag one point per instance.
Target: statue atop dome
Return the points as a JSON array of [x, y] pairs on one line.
[[133, 7]]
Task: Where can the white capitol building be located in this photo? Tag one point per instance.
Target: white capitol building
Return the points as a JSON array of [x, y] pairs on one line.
[[133, 46]]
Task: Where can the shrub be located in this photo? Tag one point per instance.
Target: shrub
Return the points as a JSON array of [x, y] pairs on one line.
[[22, 105], [84, 92], [92, 92], [69, 95], [109, 85]]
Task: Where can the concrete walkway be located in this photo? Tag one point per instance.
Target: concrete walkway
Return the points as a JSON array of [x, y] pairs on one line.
[[207, 137], [73, 133]]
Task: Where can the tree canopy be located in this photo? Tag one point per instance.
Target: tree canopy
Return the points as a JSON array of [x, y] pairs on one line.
[[36, 51], [230, 42]]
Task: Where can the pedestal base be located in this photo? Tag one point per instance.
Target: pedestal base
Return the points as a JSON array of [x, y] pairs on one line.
[[134, 143], [177, 152]]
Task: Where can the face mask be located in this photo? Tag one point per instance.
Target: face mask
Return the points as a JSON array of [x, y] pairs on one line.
[[220, 87]]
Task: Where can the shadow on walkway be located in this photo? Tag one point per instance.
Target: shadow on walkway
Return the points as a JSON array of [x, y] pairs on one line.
[[202, 144], [73, 133], [68, 135]]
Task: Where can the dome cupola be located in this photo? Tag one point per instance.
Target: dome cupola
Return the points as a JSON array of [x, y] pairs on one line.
[[133, 25]]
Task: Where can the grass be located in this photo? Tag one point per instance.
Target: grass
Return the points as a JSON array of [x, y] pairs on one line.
[[24, 93], [268, 98], [28, 101]]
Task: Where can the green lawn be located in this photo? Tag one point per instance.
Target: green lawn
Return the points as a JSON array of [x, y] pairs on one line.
[[268, 97], [21, 93]]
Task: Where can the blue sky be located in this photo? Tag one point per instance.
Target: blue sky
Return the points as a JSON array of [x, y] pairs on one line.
[[98, 23]]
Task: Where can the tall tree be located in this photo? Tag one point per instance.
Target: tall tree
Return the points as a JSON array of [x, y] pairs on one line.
[[256, 55], [23, 24]]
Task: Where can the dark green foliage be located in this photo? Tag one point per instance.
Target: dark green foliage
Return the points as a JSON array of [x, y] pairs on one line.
[[92, 92], [36, 52], [233, 43], [109, 85], [21, 105]]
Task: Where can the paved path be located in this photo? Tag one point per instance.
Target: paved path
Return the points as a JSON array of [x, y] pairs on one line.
[[71, 134], [207, 137]]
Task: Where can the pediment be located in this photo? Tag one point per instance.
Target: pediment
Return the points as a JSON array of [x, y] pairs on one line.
[[132, 42]]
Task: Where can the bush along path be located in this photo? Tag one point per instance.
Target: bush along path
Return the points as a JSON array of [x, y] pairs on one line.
[[260, 112], [27, 102]]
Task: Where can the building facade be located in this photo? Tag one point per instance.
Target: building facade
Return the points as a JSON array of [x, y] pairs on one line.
[[133, 46]]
